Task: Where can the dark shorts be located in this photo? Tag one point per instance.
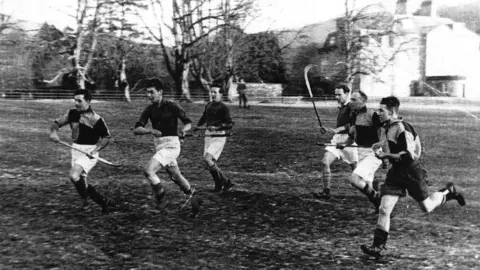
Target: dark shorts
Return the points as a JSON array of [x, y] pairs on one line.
[[411, 178]]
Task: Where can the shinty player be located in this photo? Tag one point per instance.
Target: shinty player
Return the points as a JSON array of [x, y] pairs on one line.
[[90, 134], [365, 132], [163, 116], [217, 118], [332, 153], [407, 173]]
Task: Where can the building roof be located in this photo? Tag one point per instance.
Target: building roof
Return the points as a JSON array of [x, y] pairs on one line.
[[420, 24], [313, 33]]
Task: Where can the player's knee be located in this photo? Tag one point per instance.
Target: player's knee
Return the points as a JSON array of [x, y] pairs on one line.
[[171, 172], [208, 160], [74, 176], [385, 210], [326, 163], [354, 180], [148, 172]]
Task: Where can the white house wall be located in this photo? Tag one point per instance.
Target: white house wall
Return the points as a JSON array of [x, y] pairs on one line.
[[398, 77], [453, 54]]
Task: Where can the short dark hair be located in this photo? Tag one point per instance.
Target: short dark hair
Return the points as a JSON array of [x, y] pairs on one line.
[[362, 94], [153, 82], [87, 95], [218, 85], [344, 87], [392, 103]]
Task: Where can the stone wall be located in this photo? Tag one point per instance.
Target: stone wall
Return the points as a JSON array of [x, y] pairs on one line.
[[260, 90]]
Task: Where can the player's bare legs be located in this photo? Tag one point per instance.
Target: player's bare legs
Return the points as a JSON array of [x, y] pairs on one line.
[[150, 171], [366, 187], [328, 159], [221, 182], [177, 177], [78, 178], [387, 205], [440, 197]]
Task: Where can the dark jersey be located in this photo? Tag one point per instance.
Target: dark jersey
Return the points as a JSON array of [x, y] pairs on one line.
[[216, 114], [402, 138], [241, 87], [164, 117], [367, 126], [87, 127], [343, 117]]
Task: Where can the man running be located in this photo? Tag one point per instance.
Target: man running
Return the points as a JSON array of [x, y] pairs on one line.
[[90, 134], [365, 131], [406, 174], [163, 116], [332, 153], [218, 120]]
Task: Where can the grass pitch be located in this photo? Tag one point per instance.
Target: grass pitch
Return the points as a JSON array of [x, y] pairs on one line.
[[269, 220]]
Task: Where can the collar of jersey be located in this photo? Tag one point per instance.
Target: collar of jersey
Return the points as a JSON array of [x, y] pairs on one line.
[[89, 110], [344, 104], [393, 122], [362, 110]]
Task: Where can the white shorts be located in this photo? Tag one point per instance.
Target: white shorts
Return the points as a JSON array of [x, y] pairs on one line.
[[80, 159], [367, 165], [214, 145], [348, 154], [167, 150]]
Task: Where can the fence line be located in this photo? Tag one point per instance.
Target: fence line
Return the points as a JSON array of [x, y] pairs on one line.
[[26, 94]]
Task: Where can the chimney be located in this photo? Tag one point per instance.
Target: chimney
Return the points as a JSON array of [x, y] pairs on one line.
[[401, 7], [428, 8]]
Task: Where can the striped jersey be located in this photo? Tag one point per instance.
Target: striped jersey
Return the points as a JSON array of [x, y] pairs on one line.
[[365, 127], [87, 126], [402, 138]]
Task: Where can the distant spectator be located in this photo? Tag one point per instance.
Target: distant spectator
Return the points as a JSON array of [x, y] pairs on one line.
[[242, 95]]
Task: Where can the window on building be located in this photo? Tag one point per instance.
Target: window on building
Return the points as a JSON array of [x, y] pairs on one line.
[[378, 39], [332, 41], [391, 41]]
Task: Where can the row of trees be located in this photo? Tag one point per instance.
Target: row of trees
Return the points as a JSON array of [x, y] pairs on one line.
[[200, 40], [189, 40]]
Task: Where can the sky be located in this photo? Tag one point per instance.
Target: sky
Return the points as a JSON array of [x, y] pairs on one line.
[[274, 14]]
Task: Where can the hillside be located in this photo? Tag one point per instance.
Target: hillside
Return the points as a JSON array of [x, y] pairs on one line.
[[466, 13]]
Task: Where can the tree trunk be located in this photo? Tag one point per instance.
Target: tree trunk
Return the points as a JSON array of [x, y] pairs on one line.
[[206, 88], [184, 83], [229, 89], [80, 79], [123, 82]]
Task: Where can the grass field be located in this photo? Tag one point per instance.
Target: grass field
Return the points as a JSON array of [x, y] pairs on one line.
[[269, 221]]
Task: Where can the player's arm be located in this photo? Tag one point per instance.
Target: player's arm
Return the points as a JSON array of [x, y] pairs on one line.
[[403, 155], [140, 128], [105, 138], [339, 129], [187, 122], [225, 123], [202, 119], [350, 140], [56, 125]]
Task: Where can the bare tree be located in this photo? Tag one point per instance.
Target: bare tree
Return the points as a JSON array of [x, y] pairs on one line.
[[6, 20], [215, 58], [368, 40], [119, 22], [84, 39], [192, 22]]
